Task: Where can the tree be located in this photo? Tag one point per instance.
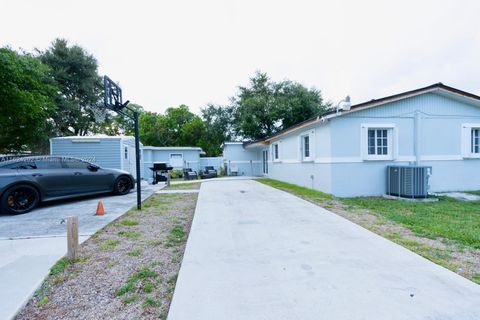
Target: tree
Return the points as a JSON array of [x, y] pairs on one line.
[[218, 122], [177, 127], [149, 123], [26, 102], [116, 124], [80, 87], [265, 107]]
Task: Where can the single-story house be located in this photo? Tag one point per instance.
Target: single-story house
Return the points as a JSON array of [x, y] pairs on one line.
[[116, 152], [178, 157], [345, 152]]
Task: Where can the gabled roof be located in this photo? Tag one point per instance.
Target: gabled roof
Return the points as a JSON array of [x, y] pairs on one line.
[[378, 102]]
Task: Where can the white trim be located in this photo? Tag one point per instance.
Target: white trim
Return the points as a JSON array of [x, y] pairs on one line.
[[334, 160], [303, 135], [447, 157], [173, 149], [245, 161], [98, 136], [392, 138], [277, 144], [466, 140], [290, 161], [85, 140], [122, 166]]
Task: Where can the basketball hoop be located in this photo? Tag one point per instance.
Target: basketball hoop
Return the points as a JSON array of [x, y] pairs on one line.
[[100, 114], [112, 100]]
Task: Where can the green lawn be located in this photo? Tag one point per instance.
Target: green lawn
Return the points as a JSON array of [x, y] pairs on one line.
[[447, 218], [296, 190]]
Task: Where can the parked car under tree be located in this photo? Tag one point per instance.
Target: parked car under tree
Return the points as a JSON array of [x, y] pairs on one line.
[[25, 182]]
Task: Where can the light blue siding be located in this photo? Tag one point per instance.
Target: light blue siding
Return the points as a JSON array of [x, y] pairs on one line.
[[216, 162], [339, 165], [248, 161], [441, 120], [191, 158], [104, 152]]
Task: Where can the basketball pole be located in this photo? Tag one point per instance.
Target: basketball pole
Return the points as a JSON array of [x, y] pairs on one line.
[[137, 161]]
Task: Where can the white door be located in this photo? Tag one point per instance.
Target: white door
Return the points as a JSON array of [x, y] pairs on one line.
[[129, 157], [176, 160], [265, 162]]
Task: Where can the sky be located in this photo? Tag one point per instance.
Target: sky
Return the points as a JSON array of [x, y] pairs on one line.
[[167, 53]]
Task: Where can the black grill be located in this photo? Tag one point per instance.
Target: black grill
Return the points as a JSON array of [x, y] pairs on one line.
[[159, 166], [160, 171]]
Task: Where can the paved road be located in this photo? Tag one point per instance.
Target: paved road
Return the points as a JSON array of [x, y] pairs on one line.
[[255, 252], [31, 243]]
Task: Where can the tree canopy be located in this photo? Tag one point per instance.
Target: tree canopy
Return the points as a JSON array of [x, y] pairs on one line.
[[55, 93], [266, 107], [80, 87], [219, 127], [177, 127], [26, 102]]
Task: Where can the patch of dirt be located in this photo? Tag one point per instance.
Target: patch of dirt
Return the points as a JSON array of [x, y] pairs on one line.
[[127, 270], [460, 259]]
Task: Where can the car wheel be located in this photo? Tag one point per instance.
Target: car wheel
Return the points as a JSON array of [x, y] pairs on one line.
[[20, 199], [122, 186]]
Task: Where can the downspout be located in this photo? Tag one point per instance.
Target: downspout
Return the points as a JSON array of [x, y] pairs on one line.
[[417, 133]]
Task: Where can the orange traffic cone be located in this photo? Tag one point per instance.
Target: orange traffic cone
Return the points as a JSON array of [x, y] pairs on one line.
[[100, 210]]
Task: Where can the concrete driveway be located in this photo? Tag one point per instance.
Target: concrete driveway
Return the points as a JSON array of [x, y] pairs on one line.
[[31, 243], [255, 252]]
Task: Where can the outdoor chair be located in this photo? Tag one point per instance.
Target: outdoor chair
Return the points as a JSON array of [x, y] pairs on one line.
[[209, 172], [189, 174]]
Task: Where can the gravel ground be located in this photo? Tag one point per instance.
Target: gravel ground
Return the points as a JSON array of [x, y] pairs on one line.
[[127, 270]]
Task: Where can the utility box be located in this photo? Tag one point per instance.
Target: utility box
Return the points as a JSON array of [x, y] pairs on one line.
[[408, 181]]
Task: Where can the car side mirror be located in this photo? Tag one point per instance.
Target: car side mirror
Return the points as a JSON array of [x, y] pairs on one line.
[[93, 168]]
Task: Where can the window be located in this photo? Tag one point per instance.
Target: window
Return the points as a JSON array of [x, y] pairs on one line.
[[471, 140], [275, 152], [76, 164], [306, 147], [125, 152], [20, 165], [475, 146], [378, 142], [52, 163]]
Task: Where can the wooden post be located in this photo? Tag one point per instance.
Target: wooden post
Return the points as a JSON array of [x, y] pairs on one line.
[[72, 237], [168, 179]]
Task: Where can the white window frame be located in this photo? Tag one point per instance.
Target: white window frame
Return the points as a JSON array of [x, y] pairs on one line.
[[276, 152], [392, 138], [467, 141], [125, 152], [475, 134], [302, 141]]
